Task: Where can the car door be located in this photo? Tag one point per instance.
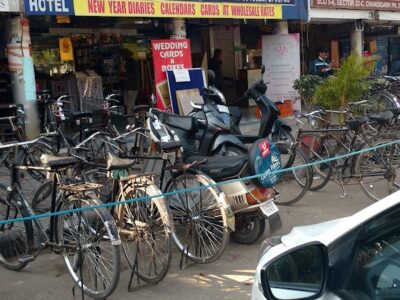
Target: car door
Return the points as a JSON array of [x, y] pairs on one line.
[[368, 266]]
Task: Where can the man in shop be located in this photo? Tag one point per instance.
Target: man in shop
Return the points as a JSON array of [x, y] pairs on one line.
[[321, 66], [215, 64], [129, 71]]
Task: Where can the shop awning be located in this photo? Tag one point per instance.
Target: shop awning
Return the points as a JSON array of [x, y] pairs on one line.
[[233, 9]]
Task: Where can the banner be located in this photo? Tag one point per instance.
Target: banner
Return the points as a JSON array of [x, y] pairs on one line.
[[49, 7], [66, 50], [168, 55], [281, 57], [168, 9]]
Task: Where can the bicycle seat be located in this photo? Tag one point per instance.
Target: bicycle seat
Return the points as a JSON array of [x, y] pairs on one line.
[[382, 118], [54, 162], [220, 167], [395, 111], [356, 123], [116, 163]]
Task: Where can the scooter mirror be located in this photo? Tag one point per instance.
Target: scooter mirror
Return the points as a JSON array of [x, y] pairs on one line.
[[262, 69], [211, 77]]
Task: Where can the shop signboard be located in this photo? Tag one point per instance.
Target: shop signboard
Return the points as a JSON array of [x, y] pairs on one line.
[[186, 9], [387, 5], [281, 57], [168, 55], [4, 5], [49, 7]]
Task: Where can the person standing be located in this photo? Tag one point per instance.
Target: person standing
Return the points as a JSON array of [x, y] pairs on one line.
[[215, 65], [129, 71], [321, 66]]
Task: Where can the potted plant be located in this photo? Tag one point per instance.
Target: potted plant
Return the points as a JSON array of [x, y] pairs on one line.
[[347, 84], [306, 86]]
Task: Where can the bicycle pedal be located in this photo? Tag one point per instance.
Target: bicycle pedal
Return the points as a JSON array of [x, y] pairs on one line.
[[26, 259]]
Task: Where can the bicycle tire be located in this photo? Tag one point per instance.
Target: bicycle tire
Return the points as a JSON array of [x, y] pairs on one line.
[[186, 230], [316, 151], [300, 177], [93, 228], [285, 139], [374, 158], [16, 239], [148, 245]]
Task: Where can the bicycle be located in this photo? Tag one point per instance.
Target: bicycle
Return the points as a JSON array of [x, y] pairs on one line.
[[84, 234]]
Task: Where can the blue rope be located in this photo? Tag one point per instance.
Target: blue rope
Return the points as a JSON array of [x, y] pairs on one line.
[[188, 190]]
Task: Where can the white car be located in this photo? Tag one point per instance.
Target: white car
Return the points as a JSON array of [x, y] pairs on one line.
[[357, 257]]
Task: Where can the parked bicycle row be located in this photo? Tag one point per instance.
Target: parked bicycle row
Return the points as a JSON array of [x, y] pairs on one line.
[[159, 152]]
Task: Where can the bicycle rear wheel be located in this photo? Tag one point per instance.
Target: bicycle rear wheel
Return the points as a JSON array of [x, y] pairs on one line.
[[377, 170], [90, 246], [295, 181], [200, 219], [145, 229], [15, 237]]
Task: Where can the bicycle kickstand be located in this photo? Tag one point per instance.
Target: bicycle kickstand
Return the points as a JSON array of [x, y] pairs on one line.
[[135, 269], [344, 194]]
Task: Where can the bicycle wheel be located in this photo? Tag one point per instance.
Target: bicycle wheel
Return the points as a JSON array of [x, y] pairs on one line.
[[145, 229], [377, 170], [294, 182], [316, 151], [15, 237], [284, 139], [90, 246], [200, 219]]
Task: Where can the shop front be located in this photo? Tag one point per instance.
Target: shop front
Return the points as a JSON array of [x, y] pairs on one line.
[[91, 48], [369, 27]]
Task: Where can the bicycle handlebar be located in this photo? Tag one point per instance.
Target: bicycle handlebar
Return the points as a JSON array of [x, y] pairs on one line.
[[5, 146]]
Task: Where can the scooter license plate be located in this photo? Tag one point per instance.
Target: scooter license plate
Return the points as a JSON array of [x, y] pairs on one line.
[[269, 208]]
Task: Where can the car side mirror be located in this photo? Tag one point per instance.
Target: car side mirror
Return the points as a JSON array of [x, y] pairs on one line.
[[301, 273], [262, 70], [211, 77]]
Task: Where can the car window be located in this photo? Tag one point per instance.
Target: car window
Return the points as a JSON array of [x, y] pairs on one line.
[[374, 272]]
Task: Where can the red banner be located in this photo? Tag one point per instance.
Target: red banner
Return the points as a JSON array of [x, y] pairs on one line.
[[168, 55]]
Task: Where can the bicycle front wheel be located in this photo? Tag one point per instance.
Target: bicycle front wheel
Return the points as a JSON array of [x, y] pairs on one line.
[[14, 236], [145, 229], [295, 180], [90, 246], [200, 219], [377, 169]]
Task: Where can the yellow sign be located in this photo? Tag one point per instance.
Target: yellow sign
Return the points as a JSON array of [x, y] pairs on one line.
[[168, 9], [66, 50]]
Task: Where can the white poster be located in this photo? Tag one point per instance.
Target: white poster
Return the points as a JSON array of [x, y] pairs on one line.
[[281, 57], [4, 5]]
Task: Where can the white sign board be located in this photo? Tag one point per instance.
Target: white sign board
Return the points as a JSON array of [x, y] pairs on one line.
[[4, 5], [281, 57]]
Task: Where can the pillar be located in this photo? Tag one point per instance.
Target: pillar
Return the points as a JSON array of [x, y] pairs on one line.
[[178, 28], [20, 61], [281, 27], [356, 41]]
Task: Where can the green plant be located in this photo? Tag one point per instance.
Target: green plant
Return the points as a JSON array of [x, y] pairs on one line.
[[347, 84], [306, 86]]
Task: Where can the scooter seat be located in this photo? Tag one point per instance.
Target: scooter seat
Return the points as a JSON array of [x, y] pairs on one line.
[[116, 163], [176, 121], [220, 167]]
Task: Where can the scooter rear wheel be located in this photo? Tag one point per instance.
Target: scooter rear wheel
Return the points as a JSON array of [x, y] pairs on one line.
[[248, 229]]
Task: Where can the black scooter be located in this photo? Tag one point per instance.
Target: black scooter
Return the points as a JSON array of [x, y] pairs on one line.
[[271, 126]]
